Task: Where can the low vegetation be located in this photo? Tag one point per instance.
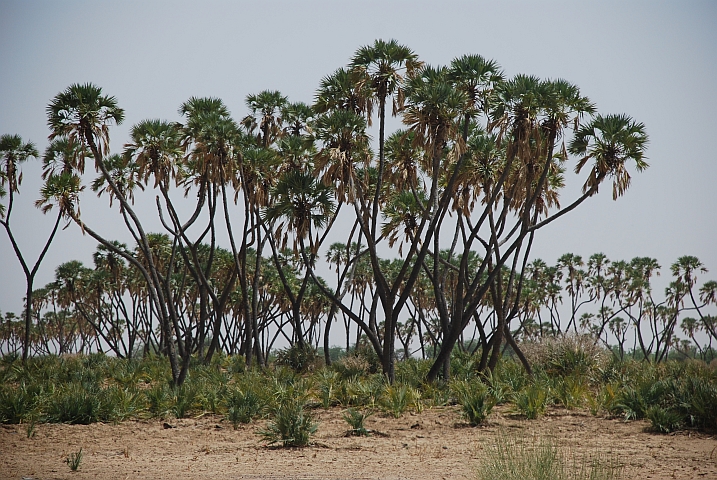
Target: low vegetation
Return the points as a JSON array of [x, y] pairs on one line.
[[518, 458], [671, 395]]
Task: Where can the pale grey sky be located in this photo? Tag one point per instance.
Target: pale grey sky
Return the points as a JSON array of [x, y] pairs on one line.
[[656, 61]]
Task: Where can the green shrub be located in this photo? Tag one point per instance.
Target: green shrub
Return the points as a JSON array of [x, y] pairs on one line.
[[118, 403], [462, 364], [570, 391], [16, 404], [290, 424], [567, 355], [327, 381], [159, 400], [237, 364], [532, 401], [184, 400], [663, 420], [355, 419], [602, 400], [412, 371], [436, 393], [510, 377], [397, 398], [699, 397], [352, 366], [299, 359], [243, 406], [475, 400], [74, 404]]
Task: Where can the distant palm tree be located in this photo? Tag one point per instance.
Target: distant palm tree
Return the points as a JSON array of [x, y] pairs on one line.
[[13, 152], [301, 205]]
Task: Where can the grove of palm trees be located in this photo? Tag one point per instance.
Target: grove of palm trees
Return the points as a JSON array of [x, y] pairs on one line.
[[291, 276]]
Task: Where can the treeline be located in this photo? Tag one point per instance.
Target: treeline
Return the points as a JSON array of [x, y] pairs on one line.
[[107, 309], [459, 193]]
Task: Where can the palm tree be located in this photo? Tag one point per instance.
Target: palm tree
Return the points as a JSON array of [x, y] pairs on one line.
[[13, 152], [345, 143], [297, 117], [340, 91], [610, 141], [302, 205], [83, 115], [156, 149], [476, 77], [380, 68], [269, 105], [61, 156]]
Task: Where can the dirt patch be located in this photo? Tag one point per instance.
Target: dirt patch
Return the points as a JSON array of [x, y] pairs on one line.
[[434, 444]]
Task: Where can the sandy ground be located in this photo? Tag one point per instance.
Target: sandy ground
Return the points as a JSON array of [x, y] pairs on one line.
[[434, 444]]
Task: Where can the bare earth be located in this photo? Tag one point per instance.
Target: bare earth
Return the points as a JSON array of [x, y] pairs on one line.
[[435, 444]]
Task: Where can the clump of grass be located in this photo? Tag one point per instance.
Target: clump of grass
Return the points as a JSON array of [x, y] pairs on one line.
[[74, 404], [158, 400], [118, 403], [328, 382], [663, 420], [30, 428], [396, 399], [290, 424], [352, 366], [243, 406], [532, 401], [74, 459], [475, 400], [541, 459], [571, 391], [603, 400], [299, 359], [355, 419], [185, 398], [567, 355], [16, 404]]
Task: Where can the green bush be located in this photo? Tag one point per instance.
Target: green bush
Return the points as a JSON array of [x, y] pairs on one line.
[[243, 406], [299, 359], [532, 401], [475, 400], [397, 398], [352, 366], [184, 400], [327, 385], [663, 420], [290, 424], [16, 404], [74, 404], [412, 371], [118, 403], [159, 400], [567, 355], [570, 391], [699, 398], [355, 419], [510, 377]]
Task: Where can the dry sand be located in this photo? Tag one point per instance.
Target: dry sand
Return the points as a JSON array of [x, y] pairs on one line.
[[434, 444]]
